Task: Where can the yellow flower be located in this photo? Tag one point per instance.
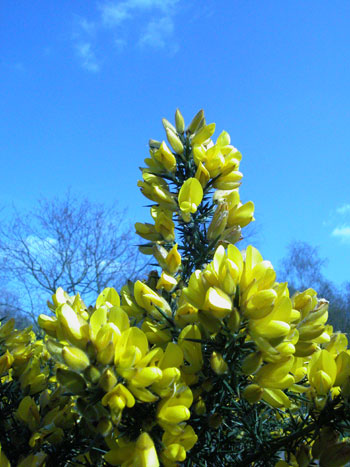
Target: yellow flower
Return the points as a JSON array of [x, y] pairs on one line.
[[28, 412], [191, 348], [195, 292], [157, 333], [147, 231], [166, 282], [122, 452], [74, 327], [130, 348], [276, 375], [203, 134], [217, 302], [218, 222], [165, 157], [6, 361], [118, 398], [322, 371], [218, 364], [202, 174], [150, 300], [156, 189], [165, 226], [145, 454], [225, 270], [229, 181], [276, 398], [173, 260], [190, 195], [175, 409], [48, 323], [241, 215], [75, 358]]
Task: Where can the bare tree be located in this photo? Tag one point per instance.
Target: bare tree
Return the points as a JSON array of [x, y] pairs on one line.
[[302, 267], [10, 308], [69, 243]]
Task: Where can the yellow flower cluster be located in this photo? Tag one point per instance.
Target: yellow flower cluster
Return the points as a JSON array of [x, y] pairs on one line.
[[99, 352], [25, 362], [153, 372], [208, 165]]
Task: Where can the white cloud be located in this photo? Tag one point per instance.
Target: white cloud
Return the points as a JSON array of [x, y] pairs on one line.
[[342, 232], [158, 33], [87, 57], [122, 19], [43, 247], [87, 26], [345, 209], [114, 12]]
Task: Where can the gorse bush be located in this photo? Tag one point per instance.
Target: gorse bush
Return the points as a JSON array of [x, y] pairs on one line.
[[209, 362]]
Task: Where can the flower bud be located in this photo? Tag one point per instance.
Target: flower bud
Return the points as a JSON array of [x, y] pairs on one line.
[[173, 260], [218, 364], [71, 380], [168, 125], [252, 363], [92, 374], [305, 349], [253, 393], [192, 127], [174, 141], [145, 452], [108, 380], [218, 222], [75, 358], [200, 407], [234, 320], [104, 427], [154, 144], [179, 121]]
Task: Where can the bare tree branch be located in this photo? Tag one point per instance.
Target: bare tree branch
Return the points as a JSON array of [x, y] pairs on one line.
[[70, 243]]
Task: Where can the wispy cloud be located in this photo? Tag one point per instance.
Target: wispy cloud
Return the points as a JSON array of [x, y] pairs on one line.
[[115, 12], [338, 223], [87, 26], [157, 33], [121, 20], [345, 209], [87, 57], [343, 233]]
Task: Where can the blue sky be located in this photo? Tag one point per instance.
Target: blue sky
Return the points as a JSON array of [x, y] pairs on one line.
[[84, 85]]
